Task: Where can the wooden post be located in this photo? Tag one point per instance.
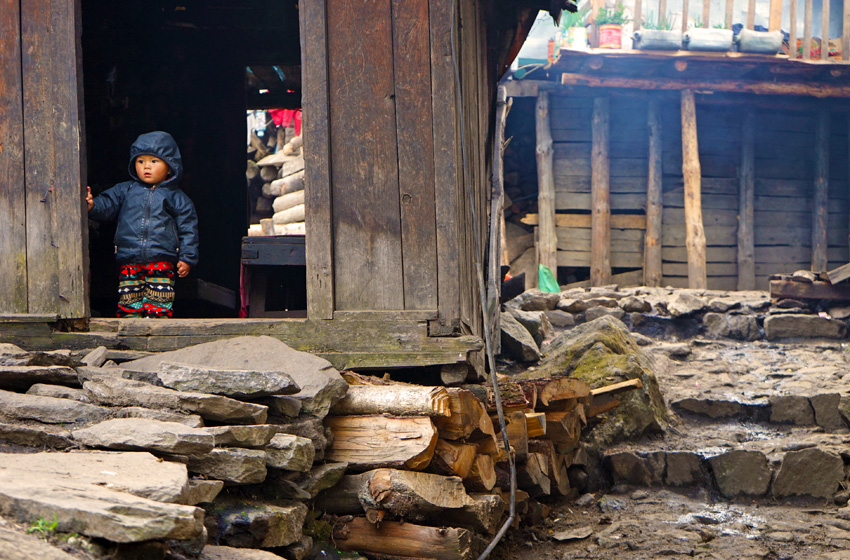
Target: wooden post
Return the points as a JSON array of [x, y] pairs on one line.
[[654, 202], [792, 29], [706, 13], [746, 192], [845, 32], [600, 250], [685, 12], [497, 221], [662, 9], [775, 21], [807, 30], [824, 30], [730, 8], [751, 14], [694, 231], [821, 198], [547, 246], [638, 14]]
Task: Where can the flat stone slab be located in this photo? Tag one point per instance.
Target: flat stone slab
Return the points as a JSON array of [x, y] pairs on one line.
[[231, 464], [140, 474], [239, 384], [144, 434], [292, 453], [18, 546], [252, 437], [125, 392], [28, 436], [59, 392], [256, 525], [21, 378], [211, 552], [48, 410], [191, 420], [11, 355], [199, 491], [809, 472], [321, 385], [802, 326], [84, 506]]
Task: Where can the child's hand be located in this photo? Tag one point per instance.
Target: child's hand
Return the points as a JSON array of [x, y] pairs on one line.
[[183, 269], [89, 198]]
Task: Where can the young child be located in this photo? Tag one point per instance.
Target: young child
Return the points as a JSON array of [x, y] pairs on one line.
[[157, 227]]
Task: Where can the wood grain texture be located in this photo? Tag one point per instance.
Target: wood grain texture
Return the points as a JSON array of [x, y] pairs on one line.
[[824, 30], [821, 193], [695, 234], [367, 442], [317, 158], [399, 539], [364, 167], [807, 30], [547, 242], [654, 203], [845, 31], [600, 268], [792, 28], [775, 20], [13, 242], [412, 69], [746, 210]]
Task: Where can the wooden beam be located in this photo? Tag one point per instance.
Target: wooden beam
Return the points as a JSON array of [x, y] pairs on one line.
[[317, 162], [730, 9], [845, 32], [638, 11], [732, 86], [685, 15], [821, 193], [706, 13], [547, 245], [824, 30], [746, 205], [807, 30], [618, 221], [662, 8], [694, 231], [775, 21], [751, 14], [600, 266], [792, 29], [786, 289], [654, 200]]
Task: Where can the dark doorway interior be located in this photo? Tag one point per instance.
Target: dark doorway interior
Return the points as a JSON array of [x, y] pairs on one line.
[[180, 67]]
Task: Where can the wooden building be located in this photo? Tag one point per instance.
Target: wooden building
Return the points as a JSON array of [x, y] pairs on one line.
[[692, 169], [399, 120]]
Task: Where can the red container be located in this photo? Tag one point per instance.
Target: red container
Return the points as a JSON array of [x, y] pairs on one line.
[[609, 35]]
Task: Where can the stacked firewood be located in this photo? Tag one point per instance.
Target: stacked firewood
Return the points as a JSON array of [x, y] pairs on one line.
[[421, 459], [276, 187]]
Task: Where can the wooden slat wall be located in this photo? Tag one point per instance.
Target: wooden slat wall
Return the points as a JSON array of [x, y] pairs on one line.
[[784, 180], [13, 241]]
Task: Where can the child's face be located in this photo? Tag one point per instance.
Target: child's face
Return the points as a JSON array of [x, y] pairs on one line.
[[151, 169]]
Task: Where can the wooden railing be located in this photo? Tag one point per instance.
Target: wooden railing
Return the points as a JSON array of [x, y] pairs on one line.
[[777, 9]]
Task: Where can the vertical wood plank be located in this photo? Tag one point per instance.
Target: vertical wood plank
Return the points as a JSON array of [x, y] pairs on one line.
[[497, 221], [730, 9], [824, 30], [662, 8], [654, 200], [706, 13], [694, 230], [820, 203], [364, 167], [845, 32], [547, 245], [446, 180], [69, 213], [792, 29], [411, 48], [13, 241], [746, 206], [751, 14], [600, 194], [775, 20], [39, 157], [686, 10], [807, 30], [317, 159], [638, 14]]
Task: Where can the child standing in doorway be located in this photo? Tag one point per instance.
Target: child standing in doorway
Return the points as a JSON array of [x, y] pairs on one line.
[[157, 233]]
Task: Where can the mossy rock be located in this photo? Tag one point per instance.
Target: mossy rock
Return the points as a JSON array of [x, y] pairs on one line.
[[602, 352]]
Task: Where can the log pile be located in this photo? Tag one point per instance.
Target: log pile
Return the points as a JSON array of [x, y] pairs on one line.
[[421, 459], [275, 175]]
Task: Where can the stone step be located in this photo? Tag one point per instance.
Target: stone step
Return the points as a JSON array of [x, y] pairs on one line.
[[737, 460]]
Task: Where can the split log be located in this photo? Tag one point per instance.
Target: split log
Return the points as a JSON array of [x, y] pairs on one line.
[[517, 429], [627, 385], [268, 173], [563, 429], [368, 442], [252, 170], [533, 476], [469, 419], [290, 184], [297, 228], [397, 399], [550, 389], [560, 481], [267, 226], [535, 423], [482, 476], [454, 459], [292, 215], [287, 201], [403, 539], [512, 395]]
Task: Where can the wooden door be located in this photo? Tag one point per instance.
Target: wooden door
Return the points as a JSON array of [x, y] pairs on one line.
[[44, 239]]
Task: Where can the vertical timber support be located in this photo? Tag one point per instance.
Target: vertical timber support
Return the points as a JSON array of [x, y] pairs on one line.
[[821, 198], [746, 200], [845, 32], [497, 218], [824, 30], [686, 10], [547, 245], [694, 230], [600, 206], [775, 20], [807, 30], [654, 201], [792, 28]]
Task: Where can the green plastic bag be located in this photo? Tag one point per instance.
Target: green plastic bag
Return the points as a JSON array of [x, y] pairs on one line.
[[546, 280]]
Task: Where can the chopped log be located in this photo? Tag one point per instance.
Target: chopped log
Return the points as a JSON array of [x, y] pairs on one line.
[[252, 170], [535, 423], [288, 200], [267, 226], [290, 184], [654, 200], [396, 399], [292, 147], [547, 246], [403, 539], [289, 216], [511, 392], [482, 476], [368, 442], [550, 389], [533, 476], [694, 230], [627, 385], [602, 404], [268, 173], [517, 428], [563, 429], [600, 252], [452, 458], [821, 199], [560, 481], [839, 274], [469, 419]]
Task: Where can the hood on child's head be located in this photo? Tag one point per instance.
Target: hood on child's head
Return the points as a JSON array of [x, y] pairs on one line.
[[162, 145]]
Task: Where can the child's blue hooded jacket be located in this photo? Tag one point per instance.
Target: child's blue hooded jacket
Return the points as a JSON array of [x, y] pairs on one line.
[[154, 223]]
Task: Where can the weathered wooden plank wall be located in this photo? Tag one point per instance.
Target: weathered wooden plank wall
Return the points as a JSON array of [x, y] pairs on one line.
[[44, 246], [784, 179]]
